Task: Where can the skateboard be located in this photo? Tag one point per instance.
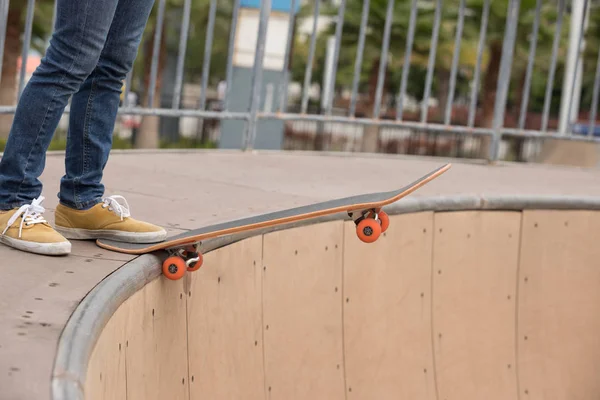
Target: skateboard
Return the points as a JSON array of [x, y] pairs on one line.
[[365, 210]]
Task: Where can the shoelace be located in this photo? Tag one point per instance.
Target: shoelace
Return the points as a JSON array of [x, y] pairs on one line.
[[31, 214], [112, 202]]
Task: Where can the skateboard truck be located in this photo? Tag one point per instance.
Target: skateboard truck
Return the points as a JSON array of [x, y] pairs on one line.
[[370, 223], [182, 258]]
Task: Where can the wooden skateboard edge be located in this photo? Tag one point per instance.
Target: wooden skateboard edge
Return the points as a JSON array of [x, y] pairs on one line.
[[281, 221]]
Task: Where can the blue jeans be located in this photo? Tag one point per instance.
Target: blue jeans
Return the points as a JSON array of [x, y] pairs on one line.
[[93, 47]]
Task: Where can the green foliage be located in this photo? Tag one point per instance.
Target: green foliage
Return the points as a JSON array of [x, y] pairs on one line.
[[42, 24], [373, 44], [194, 56], [468, 52], [196, 43]]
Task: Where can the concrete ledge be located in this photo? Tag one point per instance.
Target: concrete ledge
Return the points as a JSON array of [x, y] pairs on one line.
[[568, 152], [92, 314]]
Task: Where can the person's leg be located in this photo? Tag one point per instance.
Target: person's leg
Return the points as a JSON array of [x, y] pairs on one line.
[[80, 33], [95, 106], [83, 212], [75, 47]]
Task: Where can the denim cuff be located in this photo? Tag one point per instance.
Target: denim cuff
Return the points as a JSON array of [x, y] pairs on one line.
[[11, 206], [83, 205]]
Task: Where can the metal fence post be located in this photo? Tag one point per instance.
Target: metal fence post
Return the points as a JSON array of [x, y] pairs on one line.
[[553, 58], [594, 106], [208, 42], [578, 55], [431, 61], [512, 16], [530, 62], [359, 57], [383, 58], [257, 72], [338, 41], [183, 38], [229, 73], [285, 76], [455, 58], [155, 52], [311, 55], [3, 24], [475, 88], [26, 44], [407, 54]]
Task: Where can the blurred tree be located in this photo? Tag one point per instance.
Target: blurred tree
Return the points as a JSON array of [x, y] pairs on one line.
[[373, 44], [13, 49], [421, 47], [12, 52], [148, 136], [494, 42], [590, 58]]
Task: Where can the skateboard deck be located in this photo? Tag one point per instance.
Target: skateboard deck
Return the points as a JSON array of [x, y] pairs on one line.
[[364, 209]]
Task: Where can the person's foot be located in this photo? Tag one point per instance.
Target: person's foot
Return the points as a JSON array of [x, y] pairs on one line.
[[106, 220], [26, 229]]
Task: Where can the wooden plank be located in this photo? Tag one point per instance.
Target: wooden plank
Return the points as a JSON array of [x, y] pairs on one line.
[[302, 308], [387, 311], [559, 303], [475, 261], [224, 324], [106, 375], [156, 345]]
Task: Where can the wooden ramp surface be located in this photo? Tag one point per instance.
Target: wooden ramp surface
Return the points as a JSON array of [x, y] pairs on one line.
[[446, 305]]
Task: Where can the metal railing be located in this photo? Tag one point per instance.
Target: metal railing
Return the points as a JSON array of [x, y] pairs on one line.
[[378, 113]]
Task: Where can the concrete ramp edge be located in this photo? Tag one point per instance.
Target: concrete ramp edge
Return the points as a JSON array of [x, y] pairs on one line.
[[87, 322]]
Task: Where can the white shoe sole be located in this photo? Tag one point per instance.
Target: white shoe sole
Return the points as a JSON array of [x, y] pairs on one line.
[[121, 236], [48, 249]]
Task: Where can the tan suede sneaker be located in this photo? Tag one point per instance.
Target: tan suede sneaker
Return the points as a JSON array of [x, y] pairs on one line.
[[26, 229], [107, 220]]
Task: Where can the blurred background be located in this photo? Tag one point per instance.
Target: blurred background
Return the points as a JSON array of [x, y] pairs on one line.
[[513, 80]]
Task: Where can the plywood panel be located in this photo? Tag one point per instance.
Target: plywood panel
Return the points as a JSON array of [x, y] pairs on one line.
[[302, 306], [156, 344], [106, 375], [387, 311], [225, 330], [475, 263], [559, 305]]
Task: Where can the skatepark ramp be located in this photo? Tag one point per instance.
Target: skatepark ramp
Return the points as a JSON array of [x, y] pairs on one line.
[[462, 298]]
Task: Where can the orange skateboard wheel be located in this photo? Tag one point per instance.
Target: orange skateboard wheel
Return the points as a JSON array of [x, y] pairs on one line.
[[174, 268], [196, 265], [368, 230], [385, 221]]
